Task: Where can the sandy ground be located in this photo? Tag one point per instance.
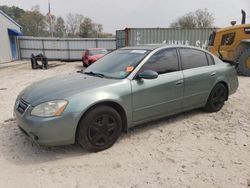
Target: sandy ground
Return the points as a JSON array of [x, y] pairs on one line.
[[193, 149]]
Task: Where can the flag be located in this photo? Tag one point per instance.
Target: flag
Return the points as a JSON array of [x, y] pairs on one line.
[[49, 13]]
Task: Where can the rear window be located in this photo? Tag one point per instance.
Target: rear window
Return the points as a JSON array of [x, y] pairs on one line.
[[97, 52], [192, 58], [210, 59]]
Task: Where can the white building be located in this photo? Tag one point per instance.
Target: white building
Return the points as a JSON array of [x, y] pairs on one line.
[[9, 30]]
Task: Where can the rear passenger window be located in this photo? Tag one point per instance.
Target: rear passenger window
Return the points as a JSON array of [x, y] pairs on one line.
[[192, 58], [210, 59], [163, 61]]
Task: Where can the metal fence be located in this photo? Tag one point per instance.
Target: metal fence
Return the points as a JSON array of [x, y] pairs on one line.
[[72, 48], [61, 48], [136, 36]]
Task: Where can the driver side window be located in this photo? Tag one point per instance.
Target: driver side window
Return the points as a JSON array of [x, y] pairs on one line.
[[163, 61]]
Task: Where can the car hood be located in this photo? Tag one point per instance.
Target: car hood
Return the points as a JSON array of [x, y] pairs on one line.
[[61, 87]]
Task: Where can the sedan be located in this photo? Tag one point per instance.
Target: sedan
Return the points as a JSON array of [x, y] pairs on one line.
[[127, 87], [92, 54]]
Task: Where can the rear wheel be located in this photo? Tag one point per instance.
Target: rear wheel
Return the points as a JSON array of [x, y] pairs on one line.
[[99, 129], [244, 63], [216, 98]]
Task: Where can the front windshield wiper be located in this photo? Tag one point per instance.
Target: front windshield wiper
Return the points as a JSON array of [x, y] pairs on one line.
[[95, 74]]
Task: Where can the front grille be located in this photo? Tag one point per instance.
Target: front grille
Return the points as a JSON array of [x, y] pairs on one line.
[[21, 106]]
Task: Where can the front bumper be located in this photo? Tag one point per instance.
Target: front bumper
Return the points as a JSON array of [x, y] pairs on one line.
[[49, 131]]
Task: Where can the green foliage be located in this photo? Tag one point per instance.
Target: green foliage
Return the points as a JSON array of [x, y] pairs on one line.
[[80, 26], [14, 12], [34, 23], [87, 28], [198, 19], [73, 22], [59, 28]]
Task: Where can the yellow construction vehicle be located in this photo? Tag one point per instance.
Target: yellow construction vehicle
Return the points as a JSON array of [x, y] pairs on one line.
[[232, 44]]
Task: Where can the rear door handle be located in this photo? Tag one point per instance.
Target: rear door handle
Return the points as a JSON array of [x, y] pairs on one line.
[[179, 83], [213, 74]]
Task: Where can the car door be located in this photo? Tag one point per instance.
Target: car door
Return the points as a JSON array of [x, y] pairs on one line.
[[199, 77], [163, 95]]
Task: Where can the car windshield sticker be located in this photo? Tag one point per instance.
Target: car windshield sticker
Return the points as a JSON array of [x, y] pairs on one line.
[[138, 51], [130, 69]]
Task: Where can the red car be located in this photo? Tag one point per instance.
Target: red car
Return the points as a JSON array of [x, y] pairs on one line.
[[92, 54]]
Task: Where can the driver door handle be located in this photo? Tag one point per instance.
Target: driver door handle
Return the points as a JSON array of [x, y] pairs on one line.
[[179, 83], [213, 74]]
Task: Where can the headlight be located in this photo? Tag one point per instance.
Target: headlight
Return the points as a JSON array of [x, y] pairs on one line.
[[51, 108]]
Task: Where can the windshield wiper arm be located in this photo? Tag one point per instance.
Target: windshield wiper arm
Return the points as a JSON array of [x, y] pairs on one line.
[[95, 74]]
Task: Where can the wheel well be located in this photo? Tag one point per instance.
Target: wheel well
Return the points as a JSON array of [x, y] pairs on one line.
[[113, 105], [225, 84], [120, 110]]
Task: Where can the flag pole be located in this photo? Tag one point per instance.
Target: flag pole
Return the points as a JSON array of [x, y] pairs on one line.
[[50, 19]]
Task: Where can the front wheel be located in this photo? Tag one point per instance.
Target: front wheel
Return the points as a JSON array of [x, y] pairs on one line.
[[99, 128], [216, 98]]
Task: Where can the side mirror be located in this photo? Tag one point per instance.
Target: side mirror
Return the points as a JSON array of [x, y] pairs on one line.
[[148, 74]]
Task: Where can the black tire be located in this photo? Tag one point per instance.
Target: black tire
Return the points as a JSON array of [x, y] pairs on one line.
[[216, 98], [244, 63], [90, 63], [33, 63], [83, 64], [99, 128]]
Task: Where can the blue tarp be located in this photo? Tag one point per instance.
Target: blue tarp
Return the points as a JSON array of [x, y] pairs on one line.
[[14, 32]]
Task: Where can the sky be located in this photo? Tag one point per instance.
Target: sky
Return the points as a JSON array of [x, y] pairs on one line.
[[119, 14]]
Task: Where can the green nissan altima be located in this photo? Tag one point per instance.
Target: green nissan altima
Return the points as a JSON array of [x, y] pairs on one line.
[[127, 87]]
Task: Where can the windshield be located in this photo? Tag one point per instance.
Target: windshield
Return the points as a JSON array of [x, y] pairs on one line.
[[97, 52], [117, 64]]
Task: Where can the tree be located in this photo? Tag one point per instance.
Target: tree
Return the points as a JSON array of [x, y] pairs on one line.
[[34, 24], [50, 21], [73, 22], [14, 12], [35, 8], [198, 19], [59, 27], [89, 29], [204, 19], [86, 28], [98, 29]]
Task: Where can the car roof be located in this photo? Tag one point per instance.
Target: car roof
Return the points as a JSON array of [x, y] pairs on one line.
[[143, 47], [155, 46], [96, 49]]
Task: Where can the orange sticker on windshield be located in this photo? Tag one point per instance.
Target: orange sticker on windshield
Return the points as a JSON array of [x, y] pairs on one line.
[[129, 69]]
